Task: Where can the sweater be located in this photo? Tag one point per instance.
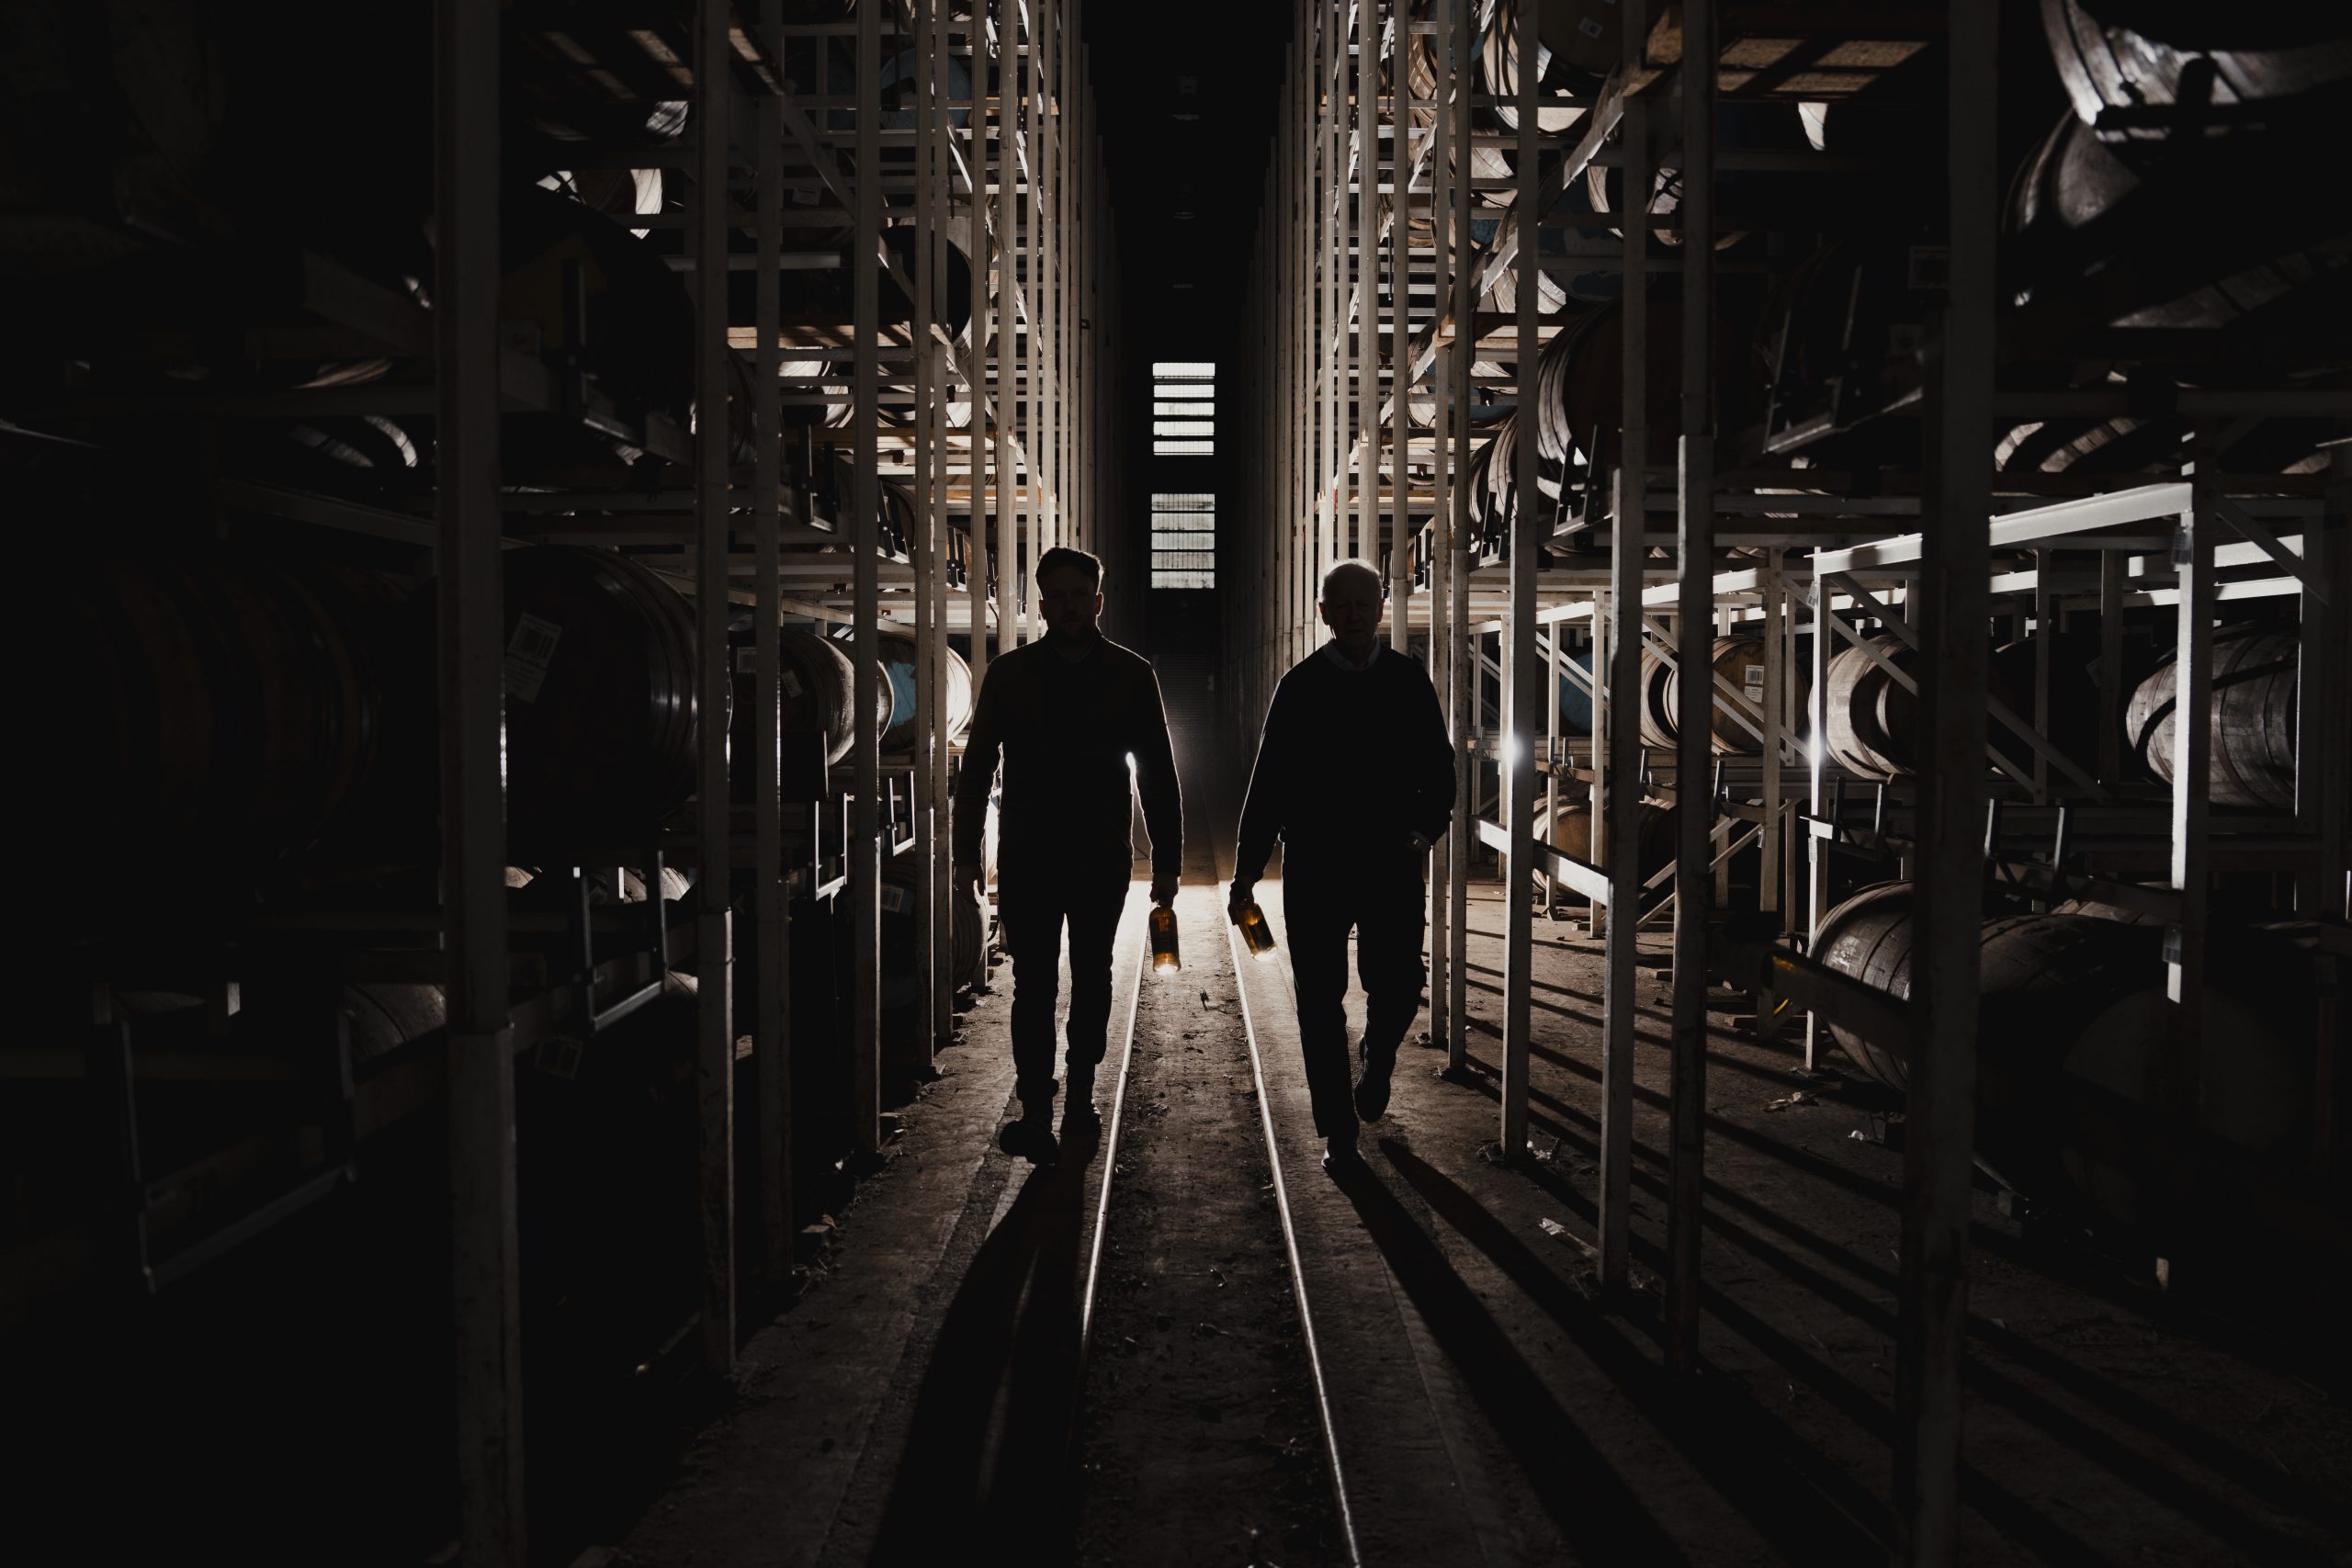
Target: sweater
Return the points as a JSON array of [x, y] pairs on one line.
[[1349, 760], [1065, 728]]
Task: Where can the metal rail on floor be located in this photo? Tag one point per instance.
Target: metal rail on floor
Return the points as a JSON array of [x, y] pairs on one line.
[[1109, 1169], [1290, 1249]]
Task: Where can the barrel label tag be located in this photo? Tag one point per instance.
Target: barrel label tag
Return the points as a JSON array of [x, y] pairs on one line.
[[790, 680], [528, 653], [894, 897], [1753, 677]]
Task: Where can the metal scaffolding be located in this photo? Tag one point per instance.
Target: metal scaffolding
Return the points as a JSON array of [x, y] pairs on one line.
[[1381, 191]]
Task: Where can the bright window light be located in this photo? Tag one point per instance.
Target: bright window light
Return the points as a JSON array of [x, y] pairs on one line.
[[1184, 538], [1184, 448], [1183, 427], [1183, 370]]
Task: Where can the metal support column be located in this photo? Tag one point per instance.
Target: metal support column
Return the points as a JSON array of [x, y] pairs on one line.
[[714, 1008], [1620, 813], [1953, 597], [922, 550], [1687, 1092], [485, 1246], [865, 840], [771, 1023], [1519, 724], [1007, 384], [1461, 693], [1400, 335]]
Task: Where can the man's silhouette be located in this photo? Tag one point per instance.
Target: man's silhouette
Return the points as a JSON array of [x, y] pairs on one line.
[[1355, 774], [1072, 714]]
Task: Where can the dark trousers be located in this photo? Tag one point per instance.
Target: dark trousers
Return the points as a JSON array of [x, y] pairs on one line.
[[1379, 899], [1035, 902]]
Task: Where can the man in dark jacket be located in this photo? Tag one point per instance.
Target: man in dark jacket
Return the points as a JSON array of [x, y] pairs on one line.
[[1355, 774], [1069, 712]]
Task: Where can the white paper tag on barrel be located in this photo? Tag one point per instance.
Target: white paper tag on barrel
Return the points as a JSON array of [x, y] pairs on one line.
[[528, 653]]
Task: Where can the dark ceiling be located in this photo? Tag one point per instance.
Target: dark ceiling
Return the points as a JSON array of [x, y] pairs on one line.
[[1187, 95]]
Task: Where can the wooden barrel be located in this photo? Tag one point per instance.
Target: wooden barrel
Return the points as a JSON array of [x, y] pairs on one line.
[[218, 710], [1579, 396], [1657, 726], [602, 704], [1576, 48], [2076, 1051], [899, 659], [2122, 55], [2041, 977], [1420, 74], [1743, 127], [2252, 719], [1869, 720], [815, 693], [385, 1015], [1493, 480], [1572, 834], [1739, 662]]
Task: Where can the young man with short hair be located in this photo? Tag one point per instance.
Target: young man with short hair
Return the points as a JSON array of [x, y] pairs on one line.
[[1067, 713]]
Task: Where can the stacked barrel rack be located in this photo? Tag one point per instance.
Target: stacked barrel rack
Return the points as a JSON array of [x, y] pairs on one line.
[[1396, 288], [852, 447]]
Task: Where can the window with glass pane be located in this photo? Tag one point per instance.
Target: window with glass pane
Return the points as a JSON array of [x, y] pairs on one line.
[[1183, 408], [1184, 540]]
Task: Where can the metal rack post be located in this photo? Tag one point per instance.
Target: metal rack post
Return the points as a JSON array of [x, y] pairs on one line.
[[1461, 693], [1687, 1089], [771, 1024], [1523, 672], [714, 1010], [1949, 903], [1617, 815], [865, 836], [484, 1247]]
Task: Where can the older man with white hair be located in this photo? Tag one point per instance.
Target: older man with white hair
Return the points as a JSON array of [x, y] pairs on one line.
[[1355, 776]]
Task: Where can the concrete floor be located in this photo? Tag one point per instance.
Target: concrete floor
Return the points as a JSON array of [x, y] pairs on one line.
[[1489, 1401]]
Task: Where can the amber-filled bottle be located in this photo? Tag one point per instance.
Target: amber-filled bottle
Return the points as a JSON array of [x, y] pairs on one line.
[[1164, 959], [1255, 934]]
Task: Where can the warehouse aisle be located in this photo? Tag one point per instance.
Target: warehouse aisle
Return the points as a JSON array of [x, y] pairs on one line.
[[1486, 1399]]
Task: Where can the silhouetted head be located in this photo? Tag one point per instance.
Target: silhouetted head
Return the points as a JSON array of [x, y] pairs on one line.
[[1069, 592], [1350, 606]]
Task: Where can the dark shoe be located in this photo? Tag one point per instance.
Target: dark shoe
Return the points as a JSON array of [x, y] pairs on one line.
[[1031, 1138], [1079, 1118], [1372, 1090], [1339, 1155]]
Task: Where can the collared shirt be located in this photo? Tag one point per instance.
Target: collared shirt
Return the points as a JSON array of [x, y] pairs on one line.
[[1344, 662]]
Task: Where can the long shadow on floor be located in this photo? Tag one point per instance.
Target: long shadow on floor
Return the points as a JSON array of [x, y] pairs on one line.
[[1594, 1509], [988, 1447], [2010, 1513], [1734, 1443], [2155, 1480]]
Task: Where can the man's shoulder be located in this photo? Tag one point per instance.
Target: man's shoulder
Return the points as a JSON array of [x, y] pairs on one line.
[[1012, 660], [1398, 665], [1118, 656], [1311, 669]]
